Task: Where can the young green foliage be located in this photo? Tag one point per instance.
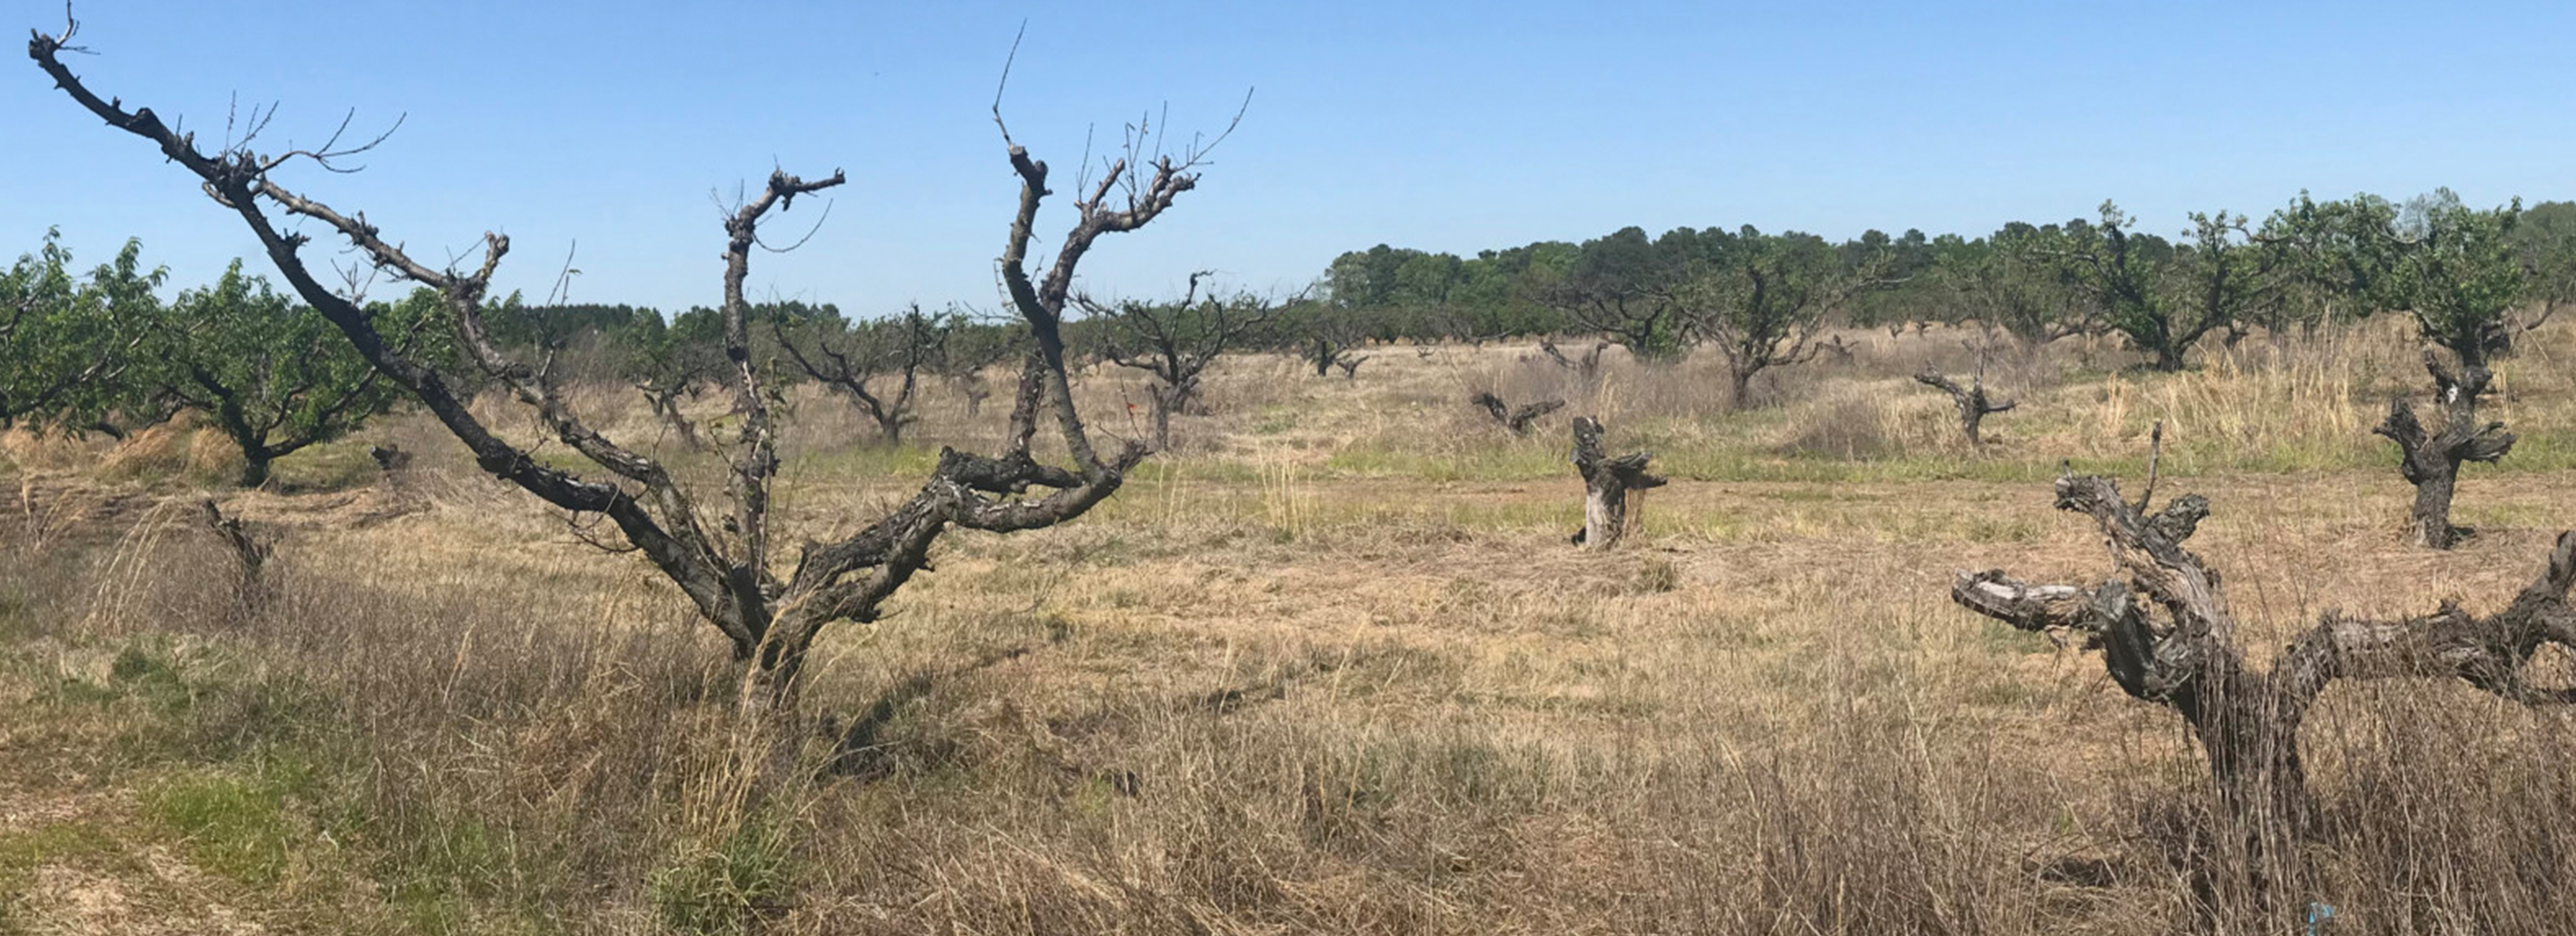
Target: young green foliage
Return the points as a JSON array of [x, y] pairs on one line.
[[273, 374], [65, 342]]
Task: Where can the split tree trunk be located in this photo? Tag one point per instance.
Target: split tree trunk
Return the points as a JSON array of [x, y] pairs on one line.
[[1609, 484], [1972, 401], [2431, 460]]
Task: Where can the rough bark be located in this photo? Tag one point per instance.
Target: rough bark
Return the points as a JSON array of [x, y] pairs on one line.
[[1610, 486], [1515, 419], [2431, 460], [1971, 400], [2248, 722]]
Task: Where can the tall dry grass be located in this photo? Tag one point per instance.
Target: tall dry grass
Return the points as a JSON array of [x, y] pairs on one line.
[[1331, 668]]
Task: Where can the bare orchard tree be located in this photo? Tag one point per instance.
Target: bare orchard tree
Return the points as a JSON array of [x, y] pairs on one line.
[[1516, 419], [1585, 364], [1175, 343], [1972, 401], [720, 558], [1611, 486], [2190, 661], [848, 357], [975, 346]]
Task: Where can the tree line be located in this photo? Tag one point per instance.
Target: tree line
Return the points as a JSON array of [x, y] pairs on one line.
[[1761, 298]]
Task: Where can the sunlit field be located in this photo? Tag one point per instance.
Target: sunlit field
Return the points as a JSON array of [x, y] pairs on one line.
[[1329, 666]]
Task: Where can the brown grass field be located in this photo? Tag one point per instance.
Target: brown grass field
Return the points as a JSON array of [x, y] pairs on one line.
[[1331, 667]]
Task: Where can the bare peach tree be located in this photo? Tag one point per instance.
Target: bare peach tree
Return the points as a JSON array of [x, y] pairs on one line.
[[723, 558], [2248, 721]]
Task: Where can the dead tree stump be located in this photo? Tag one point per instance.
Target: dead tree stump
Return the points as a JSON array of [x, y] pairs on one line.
[[1609, 486], [1972, 401], [2431, 461], [251, 549], [2247, 721], [1517, 420]]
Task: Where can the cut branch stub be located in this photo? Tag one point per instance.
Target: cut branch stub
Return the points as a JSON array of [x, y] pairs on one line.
[[1971, 400], [2247, 722], [1610, 485]]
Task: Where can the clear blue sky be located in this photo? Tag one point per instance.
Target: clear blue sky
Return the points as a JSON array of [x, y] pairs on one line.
[[1455, 126]]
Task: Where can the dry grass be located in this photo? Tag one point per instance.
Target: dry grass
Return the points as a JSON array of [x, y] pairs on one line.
[[1331, 667]]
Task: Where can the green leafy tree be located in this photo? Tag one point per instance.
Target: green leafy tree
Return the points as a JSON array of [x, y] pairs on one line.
[[2460, 273], [66, 343], [2000, 283], [1626, 289], [273, 374], [1762, 300], [2545, 236], [2227, 279], [2125, 274]]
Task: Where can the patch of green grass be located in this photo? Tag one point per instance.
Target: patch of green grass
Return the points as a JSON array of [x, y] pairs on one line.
[[1274, 421], [732, 886], [330, 467], [233, 825]]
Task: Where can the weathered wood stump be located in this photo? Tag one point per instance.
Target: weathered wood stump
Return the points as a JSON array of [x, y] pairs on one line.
[[1610, 484]]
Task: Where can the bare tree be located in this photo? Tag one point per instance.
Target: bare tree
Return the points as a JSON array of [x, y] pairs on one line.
[[1176, 343], [2431, 460], [1515, 419], [1611, 486], [849, 357], [2248, 722], [1586, 365], [974, 347], [1971, 400], [726, 569]]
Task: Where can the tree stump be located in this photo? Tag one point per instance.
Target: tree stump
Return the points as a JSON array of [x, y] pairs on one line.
[[2431, 460], [1610, 486]]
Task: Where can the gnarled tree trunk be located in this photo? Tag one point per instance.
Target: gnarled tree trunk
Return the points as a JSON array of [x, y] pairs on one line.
[[1609, 486], [1972, 401], [2248, 722], [2431, 460]]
